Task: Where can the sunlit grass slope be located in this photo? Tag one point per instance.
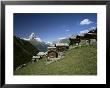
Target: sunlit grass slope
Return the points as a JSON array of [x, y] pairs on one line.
[[77, 61]]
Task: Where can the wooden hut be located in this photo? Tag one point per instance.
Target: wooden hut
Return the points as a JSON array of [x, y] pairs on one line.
[[52, 54]]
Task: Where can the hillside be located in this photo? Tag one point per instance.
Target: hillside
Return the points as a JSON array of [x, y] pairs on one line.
[[81, 60], [41, 46], [23, 51]]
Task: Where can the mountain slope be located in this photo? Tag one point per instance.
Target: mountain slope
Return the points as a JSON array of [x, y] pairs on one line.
[[37, 42], [41, 46], [81, 60], [23, 51], [66, 40]]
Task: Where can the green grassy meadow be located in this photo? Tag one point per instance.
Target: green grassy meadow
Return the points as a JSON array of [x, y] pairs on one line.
[[81, 60]]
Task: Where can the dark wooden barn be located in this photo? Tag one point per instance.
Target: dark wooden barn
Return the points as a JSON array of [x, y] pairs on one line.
[[52, 54]]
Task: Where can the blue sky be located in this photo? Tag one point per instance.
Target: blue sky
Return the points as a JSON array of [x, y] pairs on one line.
[[52, 26]]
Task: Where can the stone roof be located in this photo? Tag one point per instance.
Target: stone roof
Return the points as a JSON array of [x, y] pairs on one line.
[[45, 53], [92, 33], [36, 57], [41, 53], [62, 44], [51, 47]]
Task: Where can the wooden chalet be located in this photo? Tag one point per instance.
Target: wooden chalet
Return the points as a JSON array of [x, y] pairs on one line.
[[86, 37], [52, 53]]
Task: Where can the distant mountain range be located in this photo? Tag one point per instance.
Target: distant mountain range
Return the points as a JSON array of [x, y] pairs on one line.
[[66, 40], [40, 44], [23, 51]]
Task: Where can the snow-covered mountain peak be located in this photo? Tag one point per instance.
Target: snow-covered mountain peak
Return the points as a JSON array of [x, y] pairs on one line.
[[33, 37]]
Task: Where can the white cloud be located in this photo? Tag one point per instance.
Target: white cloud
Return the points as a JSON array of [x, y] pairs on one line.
[[93, 28], [62, 38], [85, 22], [83, 32], [67, 30], [86, 31]]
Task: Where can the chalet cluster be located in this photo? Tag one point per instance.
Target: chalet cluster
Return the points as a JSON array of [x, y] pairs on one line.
[[56, 50], [87, 38]]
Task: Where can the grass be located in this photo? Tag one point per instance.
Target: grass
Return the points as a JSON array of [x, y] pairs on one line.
[[78, 61]]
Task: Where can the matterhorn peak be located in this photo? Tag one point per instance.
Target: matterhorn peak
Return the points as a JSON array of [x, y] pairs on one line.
[[32, 36]]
